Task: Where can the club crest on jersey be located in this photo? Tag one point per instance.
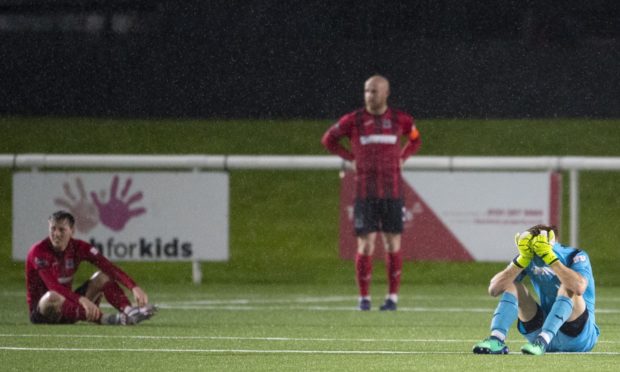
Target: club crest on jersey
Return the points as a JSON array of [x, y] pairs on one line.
[[386, 123], [40, 262], [69, 264]]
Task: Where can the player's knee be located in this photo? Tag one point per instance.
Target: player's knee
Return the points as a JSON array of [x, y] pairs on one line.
[[494, 291], [98, 280], [570, 293], [497, 289], [50, 303], [365, 246], [364, 250]]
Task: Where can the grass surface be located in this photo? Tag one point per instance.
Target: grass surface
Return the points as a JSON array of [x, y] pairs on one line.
[[291, 328]]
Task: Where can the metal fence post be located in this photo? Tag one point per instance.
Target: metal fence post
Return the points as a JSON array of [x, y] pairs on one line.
[[574, 207]]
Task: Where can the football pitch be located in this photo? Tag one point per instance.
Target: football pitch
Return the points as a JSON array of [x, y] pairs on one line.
[[291, 327]]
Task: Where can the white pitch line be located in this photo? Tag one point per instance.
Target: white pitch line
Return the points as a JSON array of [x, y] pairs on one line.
[[237, 338], [320, 308], [241, 307], [254, 351]]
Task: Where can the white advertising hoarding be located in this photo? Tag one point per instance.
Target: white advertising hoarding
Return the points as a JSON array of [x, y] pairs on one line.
[[134, 216]]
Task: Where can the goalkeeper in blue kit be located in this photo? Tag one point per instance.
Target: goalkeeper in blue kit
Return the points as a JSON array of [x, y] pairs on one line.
[[562, 277]]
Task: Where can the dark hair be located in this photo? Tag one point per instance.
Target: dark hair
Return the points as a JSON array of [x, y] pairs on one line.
[[62, 215], [535, 230]]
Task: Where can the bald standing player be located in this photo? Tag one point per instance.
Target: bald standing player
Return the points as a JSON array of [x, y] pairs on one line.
[[374, 133]]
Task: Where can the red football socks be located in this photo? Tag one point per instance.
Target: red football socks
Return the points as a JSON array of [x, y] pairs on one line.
[[394, 266], [115, 296], [363, 268]]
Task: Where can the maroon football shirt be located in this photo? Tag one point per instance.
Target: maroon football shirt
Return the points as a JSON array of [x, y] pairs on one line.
[[375, 142], [48, 270]]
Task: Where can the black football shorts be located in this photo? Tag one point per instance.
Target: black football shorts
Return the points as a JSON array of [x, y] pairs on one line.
[[372, 214]]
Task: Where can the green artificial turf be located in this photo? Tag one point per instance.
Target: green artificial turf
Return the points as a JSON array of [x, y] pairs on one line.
[[291, 327]]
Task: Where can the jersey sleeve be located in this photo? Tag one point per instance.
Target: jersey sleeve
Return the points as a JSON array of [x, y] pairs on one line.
[[92, 255], [42, 264], [580, 263], [331, 138], [413, 137]]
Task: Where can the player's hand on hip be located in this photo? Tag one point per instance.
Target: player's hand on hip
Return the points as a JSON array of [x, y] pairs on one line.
[[140, 296], [543, 246], [92, 311], [522, 241]]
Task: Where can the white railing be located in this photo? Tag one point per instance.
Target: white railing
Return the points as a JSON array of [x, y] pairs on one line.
[[572, 164]]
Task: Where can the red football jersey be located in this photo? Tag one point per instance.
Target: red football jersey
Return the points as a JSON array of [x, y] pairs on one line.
[[376, 149], [48, 270]]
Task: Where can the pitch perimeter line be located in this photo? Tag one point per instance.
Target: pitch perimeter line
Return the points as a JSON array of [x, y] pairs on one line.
[[237, 338], [345, 308], [254, 351]]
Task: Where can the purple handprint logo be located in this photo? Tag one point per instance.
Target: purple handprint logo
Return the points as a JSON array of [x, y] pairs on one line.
[[116, 212], [85, 212]]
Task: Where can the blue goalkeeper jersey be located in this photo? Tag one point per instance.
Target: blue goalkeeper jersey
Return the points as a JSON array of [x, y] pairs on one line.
[[546, 282]]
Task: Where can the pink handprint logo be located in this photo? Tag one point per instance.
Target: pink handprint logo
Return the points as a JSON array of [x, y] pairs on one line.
[[85, 212], [116, 212]]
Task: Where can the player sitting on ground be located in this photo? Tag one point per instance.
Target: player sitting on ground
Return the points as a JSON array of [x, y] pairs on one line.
[[562, 278], [50, 267]]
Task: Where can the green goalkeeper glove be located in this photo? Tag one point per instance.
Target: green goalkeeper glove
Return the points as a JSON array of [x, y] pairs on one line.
[[522, 240], [542, 245]]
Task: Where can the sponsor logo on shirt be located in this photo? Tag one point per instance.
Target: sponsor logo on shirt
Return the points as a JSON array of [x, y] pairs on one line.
[[578, 259], [545, 271], [384, 139], [65, 279]]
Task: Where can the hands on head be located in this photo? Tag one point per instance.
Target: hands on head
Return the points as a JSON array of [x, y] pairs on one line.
[[535, 241]]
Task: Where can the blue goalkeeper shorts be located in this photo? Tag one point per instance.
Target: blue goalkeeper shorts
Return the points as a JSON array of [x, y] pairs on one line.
[[562, 342]]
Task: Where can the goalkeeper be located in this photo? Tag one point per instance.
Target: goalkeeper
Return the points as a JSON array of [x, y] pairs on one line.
[[564, 320]]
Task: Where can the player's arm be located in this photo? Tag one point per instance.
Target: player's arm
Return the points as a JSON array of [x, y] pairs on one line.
[[332, 140], [92, 310], [542, 245], [117, 274], [572, 280], [92, 255], [51, 283], [504, 279], [414, 141]]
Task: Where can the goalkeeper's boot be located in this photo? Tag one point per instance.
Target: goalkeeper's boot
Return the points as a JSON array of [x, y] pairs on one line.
[[137, 314], [389, 305], [537, 347], [491, 345], [364, 304]]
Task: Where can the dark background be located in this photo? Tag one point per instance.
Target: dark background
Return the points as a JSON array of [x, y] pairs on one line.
[[281, 59]]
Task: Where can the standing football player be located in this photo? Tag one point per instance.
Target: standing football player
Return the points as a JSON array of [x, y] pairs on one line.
[[374, 133], [562, 278], [50, 267]]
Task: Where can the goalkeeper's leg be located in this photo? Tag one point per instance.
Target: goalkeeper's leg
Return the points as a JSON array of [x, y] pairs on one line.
[[515, 302]]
